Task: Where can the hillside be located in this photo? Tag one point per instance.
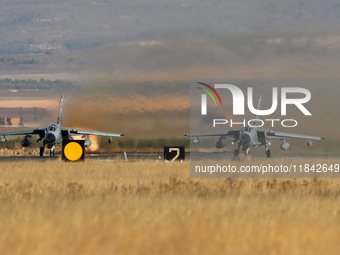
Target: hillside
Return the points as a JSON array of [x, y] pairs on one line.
[[36, 26]]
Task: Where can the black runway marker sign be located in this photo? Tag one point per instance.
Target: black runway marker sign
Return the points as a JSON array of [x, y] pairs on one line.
[[173, 153]]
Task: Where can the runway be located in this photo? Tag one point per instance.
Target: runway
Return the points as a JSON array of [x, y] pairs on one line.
[[132, 157], [92, 157]]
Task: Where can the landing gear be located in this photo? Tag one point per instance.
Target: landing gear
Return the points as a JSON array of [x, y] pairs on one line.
[[41, 153], [237, 151], [267, 149], [52, 152], [248, 151]]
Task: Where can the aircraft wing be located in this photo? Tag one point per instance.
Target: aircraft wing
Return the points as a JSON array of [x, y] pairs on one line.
[[23, 132], [74, 131], [231, 133], [278, 135]]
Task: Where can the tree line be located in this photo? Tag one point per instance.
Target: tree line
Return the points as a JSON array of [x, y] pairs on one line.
[[42, 84]]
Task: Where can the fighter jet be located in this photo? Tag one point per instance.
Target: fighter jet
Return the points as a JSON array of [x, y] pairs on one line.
[[54, 134], [250, 136]]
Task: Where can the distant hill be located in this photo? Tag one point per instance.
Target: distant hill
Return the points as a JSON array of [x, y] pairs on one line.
[[39, 26], [254, 54]]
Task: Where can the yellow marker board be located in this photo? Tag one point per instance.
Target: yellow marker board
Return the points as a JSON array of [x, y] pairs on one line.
[[73, 150]]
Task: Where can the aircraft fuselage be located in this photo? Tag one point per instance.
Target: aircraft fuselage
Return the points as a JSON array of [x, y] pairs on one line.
[[248, 138], [52, 136]]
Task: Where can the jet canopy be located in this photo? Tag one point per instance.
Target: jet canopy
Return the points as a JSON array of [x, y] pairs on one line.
[[52, 127], [247, 128]]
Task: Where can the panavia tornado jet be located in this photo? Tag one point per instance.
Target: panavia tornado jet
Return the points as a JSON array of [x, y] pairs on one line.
[[54, 134], [248, 137]]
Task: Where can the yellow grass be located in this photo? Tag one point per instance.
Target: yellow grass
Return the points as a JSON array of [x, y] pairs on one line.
[[155, 208]]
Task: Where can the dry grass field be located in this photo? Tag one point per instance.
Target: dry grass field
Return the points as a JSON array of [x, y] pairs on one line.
[[155, 208]]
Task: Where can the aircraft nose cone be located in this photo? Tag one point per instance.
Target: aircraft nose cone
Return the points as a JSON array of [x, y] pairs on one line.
[[245, 139], [50, 138]]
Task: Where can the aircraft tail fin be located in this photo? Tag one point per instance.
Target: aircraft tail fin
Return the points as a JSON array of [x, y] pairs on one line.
[[60, 118], [259, 101]]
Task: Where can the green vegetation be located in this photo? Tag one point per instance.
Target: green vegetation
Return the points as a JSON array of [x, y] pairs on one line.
[[36, 26], [146, 88], [80, 45], [14, 61], [42, 84]]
